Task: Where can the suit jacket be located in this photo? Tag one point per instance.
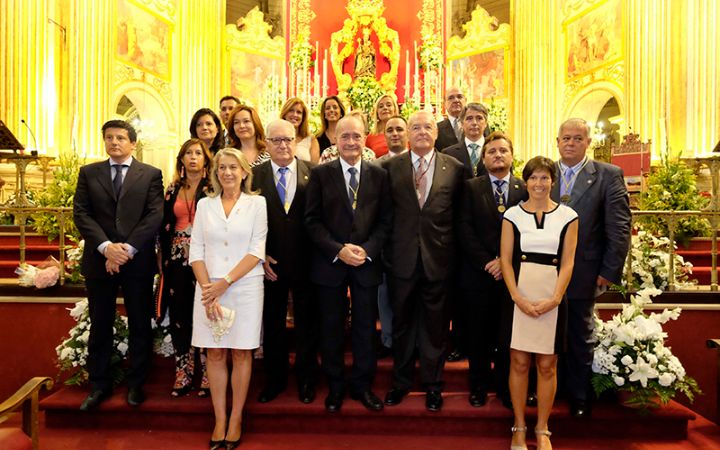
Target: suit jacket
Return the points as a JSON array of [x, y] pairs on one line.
[[134, 218], [480, 225], [287, 239], [430, 230], [600, 199], [331, 222], [459, 151], [446, 135]]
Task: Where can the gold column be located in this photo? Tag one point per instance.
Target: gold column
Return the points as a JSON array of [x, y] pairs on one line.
[[537, 99]]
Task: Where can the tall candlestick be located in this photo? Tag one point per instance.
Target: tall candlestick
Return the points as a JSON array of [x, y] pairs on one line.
[[316, 69], [407, 73], [325, 73]]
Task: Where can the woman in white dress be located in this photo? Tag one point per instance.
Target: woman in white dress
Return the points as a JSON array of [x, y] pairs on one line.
[[227, 249], [306, 144], [537, 251]]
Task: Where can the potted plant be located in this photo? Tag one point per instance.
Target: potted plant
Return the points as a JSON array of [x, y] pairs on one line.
[[631, 357]]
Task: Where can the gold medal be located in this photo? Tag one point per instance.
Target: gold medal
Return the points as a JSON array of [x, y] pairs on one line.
[[565, 198], [501, 209], [354, 205]]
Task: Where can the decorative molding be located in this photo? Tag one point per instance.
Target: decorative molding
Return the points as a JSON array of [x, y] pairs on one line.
[[252, 34], [301, 14], [482, 34], [431, 17], [613, 73], [164, 7]]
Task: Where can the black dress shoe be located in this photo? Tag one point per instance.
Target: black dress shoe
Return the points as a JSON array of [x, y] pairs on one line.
[[455, 356], [433, 401], [93, 400], [333, 402], [369, 400], [395, 396], [232, 445], [135, 396], [478, 398], [580, 410], [383, 352], [217, 445], [531, 400], [306, 393], [269, 394]]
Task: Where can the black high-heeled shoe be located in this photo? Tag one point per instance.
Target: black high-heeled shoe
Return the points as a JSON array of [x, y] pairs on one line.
[[232, 445], [181, 392], [217, 445]]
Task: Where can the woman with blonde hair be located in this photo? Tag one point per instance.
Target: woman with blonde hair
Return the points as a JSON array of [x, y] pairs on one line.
[[385, 108], [306, 145], [226, 253]]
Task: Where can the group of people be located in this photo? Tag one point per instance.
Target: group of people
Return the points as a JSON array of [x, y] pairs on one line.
[[419, 235]]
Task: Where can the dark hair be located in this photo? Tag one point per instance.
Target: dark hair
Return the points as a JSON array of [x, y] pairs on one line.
[[479, 107], [397, 116], [494, 136], [181, 154], [539, 163], [132, 134], [230, 97], [218, 142], [303, 129], [257, 124], [324, 125]]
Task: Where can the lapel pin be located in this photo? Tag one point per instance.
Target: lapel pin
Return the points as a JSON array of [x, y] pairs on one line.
[[589, 181], [306, 177], [517, 186]]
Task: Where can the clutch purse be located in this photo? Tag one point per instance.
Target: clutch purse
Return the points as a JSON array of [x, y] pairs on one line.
[[221, 327]]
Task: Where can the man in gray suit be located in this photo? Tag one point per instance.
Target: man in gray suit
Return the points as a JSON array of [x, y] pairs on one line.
[[597, 192]]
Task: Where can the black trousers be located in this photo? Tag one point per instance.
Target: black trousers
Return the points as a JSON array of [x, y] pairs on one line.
[[487, 358], [419, 321], [276, 339], [102, 296], [179, 295], [333, 310], [578, 358]]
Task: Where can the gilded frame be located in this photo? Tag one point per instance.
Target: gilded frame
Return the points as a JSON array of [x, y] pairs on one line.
[[153, 53]]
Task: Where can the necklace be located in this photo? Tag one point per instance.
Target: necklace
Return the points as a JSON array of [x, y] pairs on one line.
[[189, 204]]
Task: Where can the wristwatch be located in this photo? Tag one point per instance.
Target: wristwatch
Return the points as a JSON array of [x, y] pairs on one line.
[[228, 279]]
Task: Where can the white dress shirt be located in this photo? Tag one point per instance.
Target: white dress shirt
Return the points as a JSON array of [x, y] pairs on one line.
[[290, 179]]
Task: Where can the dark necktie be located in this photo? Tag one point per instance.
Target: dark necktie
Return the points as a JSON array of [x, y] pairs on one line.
[[499, 194], [352, 191], [457, 129], [282, 187], [421, 181], [118, 178], [474, 156]]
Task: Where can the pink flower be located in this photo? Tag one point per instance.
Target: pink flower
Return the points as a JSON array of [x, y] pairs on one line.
[[47, 277]]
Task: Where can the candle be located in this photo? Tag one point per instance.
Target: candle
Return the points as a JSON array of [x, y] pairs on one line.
[[407, 73], [325, 73], [316, 69]]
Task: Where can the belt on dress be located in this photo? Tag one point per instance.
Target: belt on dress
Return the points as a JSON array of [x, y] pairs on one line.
[[540, 258]]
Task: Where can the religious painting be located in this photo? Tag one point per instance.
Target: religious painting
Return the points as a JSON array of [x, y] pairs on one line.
[[594, 39], [143, 39], [250, 75], [482, 75]]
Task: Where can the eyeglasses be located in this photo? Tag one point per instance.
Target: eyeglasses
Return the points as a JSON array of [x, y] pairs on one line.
[[281, 140]]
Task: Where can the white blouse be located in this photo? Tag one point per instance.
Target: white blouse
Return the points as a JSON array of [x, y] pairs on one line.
[[221, 242]]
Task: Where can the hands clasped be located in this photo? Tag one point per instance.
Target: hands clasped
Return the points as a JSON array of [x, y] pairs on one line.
[[117, 254], [536, 309], [211, 293], [352, 255]]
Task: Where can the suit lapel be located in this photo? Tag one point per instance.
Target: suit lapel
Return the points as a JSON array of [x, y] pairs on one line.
[[104, 178], [439, 176], [339, 179], [555, 192], [407, 177], [466, 158], [584, 180], [303, 175], [514, 191], [268, 186], [134, 173]]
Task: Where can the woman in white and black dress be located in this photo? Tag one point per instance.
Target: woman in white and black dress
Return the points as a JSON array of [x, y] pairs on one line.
[[226, 252], [537, 251]]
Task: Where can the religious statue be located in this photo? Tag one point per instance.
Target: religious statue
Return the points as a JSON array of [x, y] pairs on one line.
[[365, 57]]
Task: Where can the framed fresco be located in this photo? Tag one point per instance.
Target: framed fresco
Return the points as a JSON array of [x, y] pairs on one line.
[[152, 52], [594, 39], [480, 62]]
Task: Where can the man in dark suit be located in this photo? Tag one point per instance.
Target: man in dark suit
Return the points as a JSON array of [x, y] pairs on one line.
[[348, 217], [485, 199], [425, 187], [473, 120], [450, 129], [118, 209], [282, 181], [597, 193]]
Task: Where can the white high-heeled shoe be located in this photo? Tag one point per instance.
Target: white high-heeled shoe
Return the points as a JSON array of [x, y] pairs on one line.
[[518, 430], [539, 434]]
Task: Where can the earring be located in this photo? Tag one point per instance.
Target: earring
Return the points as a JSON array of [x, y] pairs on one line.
[[182, 172]]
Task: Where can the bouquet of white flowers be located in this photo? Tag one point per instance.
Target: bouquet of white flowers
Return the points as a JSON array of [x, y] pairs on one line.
[[630, 355], [162, 340], [651, 263], [72, 352]]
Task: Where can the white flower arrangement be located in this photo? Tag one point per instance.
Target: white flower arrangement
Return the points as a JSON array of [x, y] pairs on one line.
[[363, 93], [430, 53], [301, 55], [630, 355], [162, 340], [651, 263], [72, 352], [497, 115], [73, 259]]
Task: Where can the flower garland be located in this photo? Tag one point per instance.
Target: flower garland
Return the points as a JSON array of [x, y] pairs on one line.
[[630, 355], [363, 93], [650, 263]]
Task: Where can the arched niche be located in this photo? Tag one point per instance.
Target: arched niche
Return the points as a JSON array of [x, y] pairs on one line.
[[152, 117], [590, 101]]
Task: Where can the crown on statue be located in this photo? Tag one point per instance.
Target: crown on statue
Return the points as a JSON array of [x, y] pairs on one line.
[[366, 9]]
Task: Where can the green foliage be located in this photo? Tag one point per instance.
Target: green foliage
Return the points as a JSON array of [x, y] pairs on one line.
[[410, 106], [363, 94], [497, 115], [672, 187], [59, 193]]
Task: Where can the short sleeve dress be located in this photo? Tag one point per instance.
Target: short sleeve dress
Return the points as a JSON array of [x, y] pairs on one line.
[[536, 261], [221, 242]]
